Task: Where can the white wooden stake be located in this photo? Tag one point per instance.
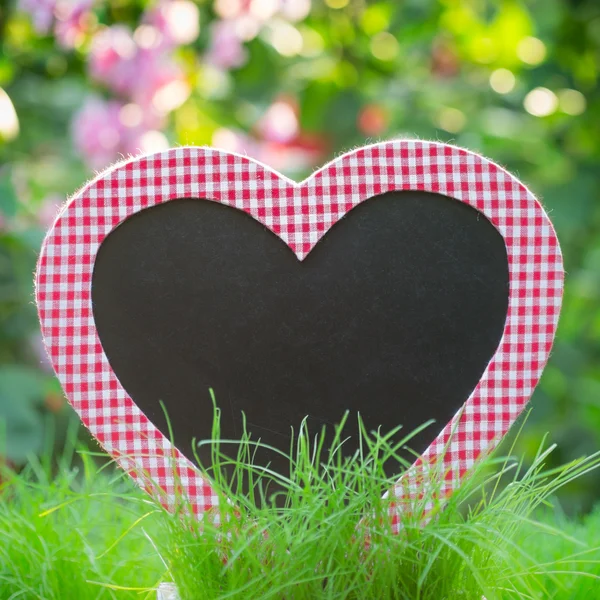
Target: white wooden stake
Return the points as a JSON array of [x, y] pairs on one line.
[[167, 591]]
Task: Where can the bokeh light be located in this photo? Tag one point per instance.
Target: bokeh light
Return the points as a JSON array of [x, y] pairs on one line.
[[263, 9], [337, 3], [154, 141], [182, 20], [451, 119], [285, 38], [384, 46], [295, 10], [375, 19], [171, 96], [131, 115], [228, 9], [225, 139], [373, 120], [9, 123], [572, 102], [147, 36], [502, 81], [541, 102], [531, 50], [312, 42], [280, 123]]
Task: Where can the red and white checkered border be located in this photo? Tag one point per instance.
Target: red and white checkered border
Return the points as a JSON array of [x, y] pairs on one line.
[[300, 214]]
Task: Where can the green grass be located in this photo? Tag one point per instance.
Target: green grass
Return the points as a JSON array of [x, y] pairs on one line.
[[87, 533]]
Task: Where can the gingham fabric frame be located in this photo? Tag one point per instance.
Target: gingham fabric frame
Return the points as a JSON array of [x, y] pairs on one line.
[[300, 214]]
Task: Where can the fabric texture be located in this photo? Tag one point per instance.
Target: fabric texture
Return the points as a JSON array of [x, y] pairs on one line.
[[300, 214]]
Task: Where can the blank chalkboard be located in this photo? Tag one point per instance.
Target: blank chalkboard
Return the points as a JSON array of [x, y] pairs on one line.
[[394, 314]]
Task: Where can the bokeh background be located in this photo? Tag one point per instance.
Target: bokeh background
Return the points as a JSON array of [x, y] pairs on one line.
[[84, 83]]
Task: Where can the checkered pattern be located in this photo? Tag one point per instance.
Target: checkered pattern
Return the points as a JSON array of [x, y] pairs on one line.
[[300, 214]]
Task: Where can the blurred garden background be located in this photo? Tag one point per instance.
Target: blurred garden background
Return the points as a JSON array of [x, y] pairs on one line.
[[293, 83]]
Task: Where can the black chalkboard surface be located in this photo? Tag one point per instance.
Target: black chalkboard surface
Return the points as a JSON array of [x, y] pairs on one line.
[[395, 314]]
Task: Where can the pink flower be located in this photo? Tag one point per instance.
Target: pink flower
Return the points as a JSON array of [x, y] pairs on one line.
[[105, 131], [112, 58], [231, 9], [71, 21], [49, 209], [291, 158], [68, 17], [300, 155], [41, 11], [225, 50], [138, 74], [177, 21], [155, 72], [98, 132], [279, 123], [249, 16], [237, 141]]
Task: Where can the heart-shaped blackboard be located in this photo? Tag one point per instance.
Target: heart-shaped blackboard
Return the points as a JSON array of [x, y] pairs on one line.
[[394, 314], [405, 281]]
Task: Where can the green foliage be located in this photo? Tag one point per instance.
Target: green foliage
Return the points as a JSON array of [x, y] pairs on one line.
[[325, 533], [21, 397], [576, 548], [70, 536], [453, 71]]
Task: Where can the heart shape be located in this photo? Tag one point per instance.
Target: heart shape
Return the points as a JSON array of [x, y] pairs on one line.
[[394, 314], [299, 214]]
